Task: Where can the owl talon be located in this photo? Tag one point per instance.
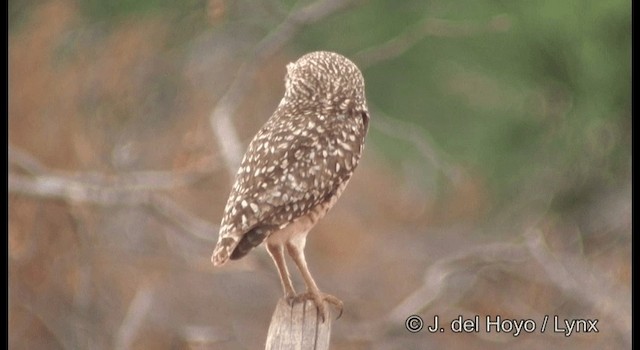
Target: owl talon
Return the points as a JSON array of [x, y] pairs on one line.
[[319, 299]]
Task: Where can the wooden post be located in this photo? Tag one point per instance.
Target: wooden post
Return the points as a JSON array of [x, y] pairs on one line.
[[298, 327]]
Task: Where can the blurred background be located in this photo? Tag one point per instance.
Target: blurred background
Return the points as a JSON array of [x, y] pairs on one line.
[[495, 180]]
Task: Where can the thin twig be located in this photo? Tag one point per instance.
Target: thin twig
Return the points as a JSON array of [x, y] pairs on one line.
[[413, 133], [580, 280], [182, 218], [453, 276], [438, 276], [428, 27], [136, 314], [25, 161]]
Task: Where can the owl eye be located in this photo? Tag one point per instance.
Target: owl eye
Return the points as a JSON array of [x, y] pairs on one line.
[[365, 118]]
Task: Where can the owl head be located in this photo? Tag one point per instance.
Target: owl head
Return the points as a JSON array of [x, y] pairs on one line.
[[327, 81]]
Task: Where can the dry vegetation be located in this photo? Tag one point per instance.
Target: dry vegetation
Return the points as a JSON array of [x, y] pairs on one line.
[[117, 183]]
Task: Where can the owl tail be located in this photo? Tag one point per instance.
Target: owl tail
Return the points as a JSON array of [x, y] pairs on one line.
[[223, 250], [235, 247]]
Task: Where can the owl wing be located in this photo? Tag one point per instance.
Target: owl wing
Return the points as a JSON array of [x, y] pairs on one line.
[[291, 165]]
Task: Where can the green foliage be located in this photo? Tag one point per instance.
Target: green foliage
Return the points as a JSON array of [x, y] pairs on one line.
[[549, 94], [118, 8], [18, 12]]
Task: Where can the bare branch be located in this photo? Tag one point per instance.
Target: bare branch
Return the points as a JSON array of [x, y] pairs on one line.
[[74, 191], [133, 189], [428, 27], [139, 180], [221, 118], [463, 267], [450, 278], [182, 218]]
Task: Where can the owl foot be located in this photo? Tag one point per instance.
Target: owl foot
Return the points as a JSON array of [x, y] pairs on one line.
[[290, 298], [319, 298]]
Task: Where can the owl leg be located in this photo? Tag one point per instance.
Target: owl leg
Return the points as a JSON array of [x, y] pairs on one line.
[[277, 254], [295, 248]]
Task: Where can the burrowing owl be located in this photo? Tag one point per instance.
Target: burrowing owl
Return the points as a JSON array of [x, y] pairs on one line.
[[296, 167]]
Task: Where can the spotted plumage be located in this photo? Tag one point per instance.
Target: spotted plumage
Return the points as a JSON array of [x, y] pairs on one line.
[[298, 163]]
